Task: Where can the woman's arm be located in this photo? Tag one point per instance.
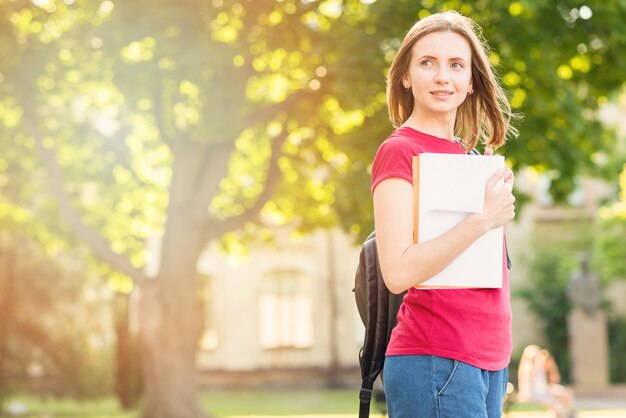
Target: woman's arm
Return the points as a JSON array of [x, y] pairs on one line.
[[405, 264]]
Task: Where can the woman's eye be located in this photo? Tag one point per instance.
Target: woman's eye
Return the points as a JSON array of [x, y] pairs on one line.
[[426, 63], [456, 65]]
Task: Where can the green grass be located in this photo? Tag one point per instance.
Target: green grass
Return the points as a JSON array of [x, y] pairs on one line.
[[69, 408], [224, 404], [282, 402], [221, 404]]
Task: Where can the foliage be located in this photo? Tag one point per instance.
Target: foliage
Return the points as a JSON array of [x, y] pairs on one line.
[[548, 272], [125, 85], [556, 257], [610, 237], [617, 346], [53, 338], [558, 60], [609, 255]]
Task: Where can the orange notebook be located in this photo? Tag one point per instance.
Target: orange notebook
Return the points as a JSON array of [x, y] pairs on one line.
[[446, 189]]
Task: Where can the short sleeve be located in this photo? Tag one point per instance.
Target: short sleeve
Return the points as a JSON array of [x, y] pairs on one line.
[[393, 160]]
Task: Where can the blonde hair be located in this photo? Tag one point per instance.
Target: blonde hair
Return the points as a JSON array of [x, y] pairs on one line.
[[486, 114]]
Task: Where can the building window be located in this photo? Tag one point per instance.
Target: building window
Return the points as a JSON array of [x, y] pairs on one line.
[[285, 311]]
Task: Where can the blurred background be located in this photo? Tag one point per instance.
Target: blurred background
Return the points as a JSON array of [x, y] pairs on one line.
[[184, 186]]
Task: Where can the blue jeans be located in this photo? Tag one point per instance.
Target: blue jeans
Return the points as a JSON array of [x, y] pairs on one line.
[[437, 387]]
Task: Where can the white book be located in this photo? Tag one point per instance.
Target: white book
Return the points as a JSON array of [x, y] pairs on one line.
[[446, 189]]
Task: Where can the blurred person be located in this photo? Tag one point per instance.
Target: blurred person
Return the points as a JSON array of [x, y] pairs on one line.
[[539, 380], [449, 353], [525, 371]]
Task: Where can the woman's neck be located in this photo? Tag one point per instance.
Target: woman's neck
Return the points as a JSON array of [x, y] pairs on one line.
[[442, 128]]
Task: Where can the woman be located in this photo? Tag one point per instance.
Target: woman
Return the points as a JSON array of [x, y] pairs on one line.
[[447, 356]]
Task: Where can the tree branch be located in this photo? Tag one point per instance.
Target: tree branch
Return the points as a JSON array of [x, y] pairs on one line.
[[269, 112], [213, 169], [214, 228], [159, 118], [91, 237]]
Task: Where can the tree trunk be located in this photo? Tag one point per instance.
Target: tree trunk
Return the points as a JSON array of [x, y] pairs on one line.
[[6, 312], [128, 384], [169, 327], [333, 369]]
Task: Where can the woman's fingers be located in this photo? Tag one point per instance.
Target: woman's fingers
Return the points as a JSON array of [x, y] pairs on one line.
[[495, 178], [508, 176]]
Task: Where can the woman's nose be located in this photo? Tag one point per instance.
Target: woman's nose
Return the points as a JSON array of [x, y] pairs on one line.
[[441, 76]]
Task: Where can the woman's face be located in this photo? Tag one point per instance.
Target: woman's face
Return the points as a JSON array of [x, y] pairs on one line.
[[439, 74]]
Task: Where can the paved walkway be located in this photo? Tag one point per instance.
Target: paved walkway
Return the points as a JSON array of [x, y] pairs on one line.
[[610, 403], [580, 414]]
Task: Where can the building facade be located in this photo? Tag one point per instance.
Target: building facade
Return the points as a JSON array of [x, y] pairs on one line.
[[286, 315]]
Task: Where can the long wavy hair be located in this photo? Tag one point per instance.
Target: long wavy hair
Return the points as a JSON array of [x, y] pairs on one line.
[[484, 115]]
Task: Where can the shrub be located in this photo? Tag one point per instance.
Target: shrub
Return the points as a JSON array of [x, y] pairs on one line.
[[548, 273]]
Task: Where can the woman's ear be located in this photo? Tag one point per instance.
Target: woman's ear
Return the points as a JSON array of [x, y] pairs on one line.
[[406, 82]]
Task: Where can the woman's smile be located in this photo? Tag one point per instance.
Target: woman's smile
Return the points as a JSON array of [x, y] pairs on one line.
[[442, 93]]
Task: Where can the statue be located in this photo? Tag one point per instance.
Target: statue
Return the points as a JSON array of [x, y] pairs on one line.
[[583, 289], [587, 330]]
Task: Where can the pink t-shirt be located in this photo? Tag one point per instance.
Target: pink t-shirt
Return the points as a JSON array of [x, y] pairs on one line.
[[469, 325]]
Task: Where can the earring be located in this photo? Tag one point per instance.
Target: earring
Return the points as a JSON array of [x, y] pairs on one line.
[[470, 92], [407, 89]]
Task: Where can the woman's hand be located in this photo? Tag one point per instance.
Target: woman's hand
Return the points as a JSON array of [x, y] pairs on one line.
[[499, 206]]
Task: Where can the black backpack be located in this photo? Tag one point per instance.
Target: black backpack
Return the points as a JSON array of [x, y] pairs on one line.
[[378, 308]]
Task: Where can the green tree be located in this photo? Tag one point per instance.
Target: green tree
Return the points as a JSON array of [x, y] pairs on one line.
[[609, 251], [559, 60], [545, 292], [197, 121], [49, 333], [610, 237], [137, 111]]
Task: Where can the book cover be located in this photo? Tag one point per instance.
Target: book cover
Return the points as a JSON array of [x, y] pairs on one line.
[[446, 189]]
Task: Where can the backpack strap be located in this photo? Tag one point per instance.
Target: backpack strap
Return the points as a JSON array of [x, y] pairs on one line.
[[365, 397], [375, 343]]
